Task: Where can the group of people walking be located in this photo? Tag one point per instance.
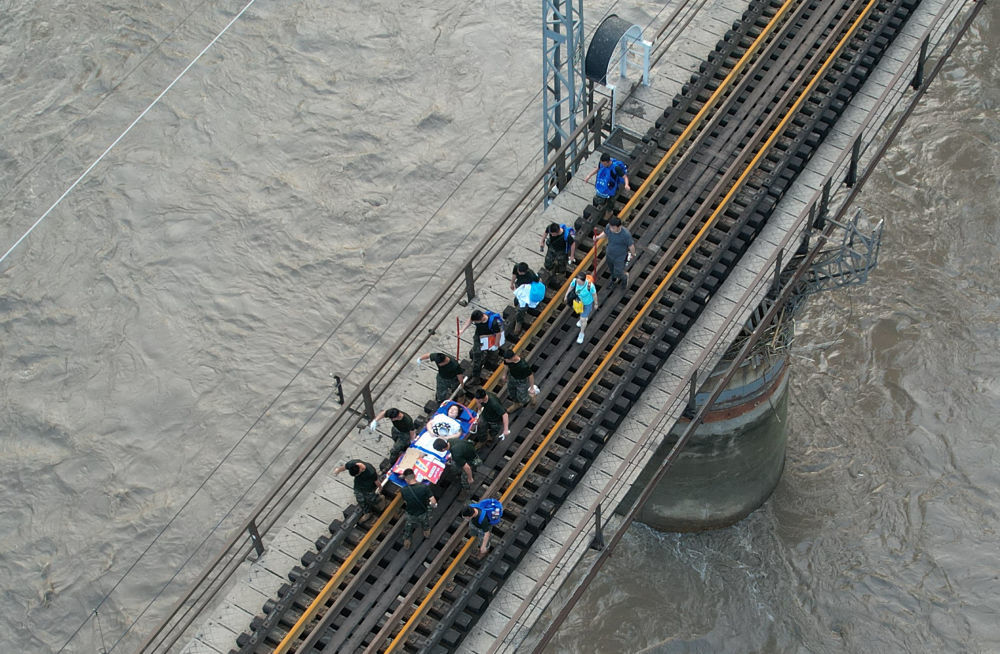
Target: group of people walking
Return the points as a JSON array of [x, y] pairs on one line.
[[490, 329]]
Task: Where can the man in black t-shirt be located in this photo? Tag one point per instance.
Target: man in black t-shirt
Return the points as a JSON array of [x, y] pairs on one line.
[[403, 430], [493, 418], [486, 323], [449, 374], [463, 461], [519, 378], [418, 498], [365, 487]]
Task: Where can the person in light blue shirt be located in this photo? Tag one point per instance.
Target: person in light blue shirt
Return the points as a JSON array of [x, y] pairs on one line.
[[612, 176], [585, 291]]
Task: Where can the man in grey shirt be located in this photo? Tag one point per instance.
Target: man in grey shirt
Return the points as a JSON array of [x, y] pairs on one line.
[[620, 249]]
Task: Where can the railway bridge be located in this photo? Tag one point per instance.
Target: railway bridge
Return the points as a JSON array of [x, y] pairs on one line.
[[761, 124]]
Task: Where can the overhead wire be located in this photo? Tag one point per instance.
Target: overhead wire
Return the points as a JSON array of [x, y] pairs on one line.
[[61, 140], [128, 129], [533, 100]]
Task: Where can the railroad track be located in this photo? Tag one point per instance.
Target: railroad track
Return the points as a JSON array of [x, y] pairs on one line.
[[712, 169]]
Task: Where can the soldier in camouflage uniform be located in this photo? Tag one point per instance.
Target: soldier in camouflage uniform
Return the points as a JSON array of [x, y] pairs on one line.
[[519, 378], [449, 374], [365, 487]]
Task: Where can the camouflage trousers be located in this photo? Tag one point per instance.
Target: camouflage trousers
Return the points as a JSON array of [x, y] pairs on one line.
[[455, 470], [368, 500], [555, 261], [517, 390], [445, 387], [413, 520], [487, 429], [400, 442]]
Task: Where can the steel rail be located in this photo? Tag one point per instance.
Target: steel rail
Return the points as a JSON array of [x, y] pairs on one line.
[[782, 299], [653, 299], [238, 547], [764, 277]]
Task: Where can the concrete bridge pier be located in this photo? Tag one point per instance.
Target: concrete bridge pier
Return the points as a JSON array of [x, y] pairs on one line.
[[734, 460]]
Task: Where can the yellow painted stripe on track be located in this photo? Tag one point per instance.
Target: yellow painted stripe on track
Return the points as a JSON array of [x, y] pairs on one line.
[[703, 112], [671, 152], [605, 362], [338, 576], [550, 307]]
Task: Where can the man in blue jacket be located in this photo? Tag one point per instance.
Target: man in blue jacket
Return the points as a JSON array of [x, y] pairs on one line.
[[612, 176]]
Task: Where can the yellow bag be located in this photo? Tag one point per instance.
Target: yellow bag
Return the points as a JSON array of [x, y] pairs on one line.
[[578, 306]]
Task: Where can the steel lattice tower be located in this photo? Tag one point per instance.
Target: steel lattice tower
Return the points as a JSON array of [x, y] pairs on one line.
[[562, 78]]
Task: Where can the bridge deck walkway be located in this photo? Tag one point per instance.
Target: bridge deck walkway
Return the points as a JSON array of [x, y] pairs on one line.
[[259, 580], [671, 382]]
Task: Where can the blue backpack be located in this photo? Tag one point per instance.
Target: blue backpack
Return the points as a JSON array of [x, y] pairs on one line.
[[490, 509], [537, 292], [493, 319], [568, 233]]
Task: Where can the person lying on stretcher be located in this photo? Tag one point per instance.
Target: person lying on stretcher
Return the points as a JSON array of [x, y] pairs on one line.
[[451, 420]]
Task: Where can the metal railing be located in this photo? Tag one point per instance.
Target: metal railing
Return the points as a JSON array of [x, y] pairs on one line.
[[840, 188], [276, 506], [104, 622]]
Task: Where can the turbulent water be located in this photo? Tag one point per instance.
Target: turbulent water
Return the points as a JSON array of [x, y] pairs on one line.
[[280, 213], [883, 533]]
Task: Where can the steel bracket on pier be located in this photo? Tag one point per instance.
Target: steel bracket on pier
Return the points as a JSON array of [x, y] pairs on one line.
[[846, 264]]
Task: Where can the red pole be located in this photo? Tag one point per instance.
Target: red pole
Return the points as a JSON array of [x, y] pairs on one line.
[[458, 340]]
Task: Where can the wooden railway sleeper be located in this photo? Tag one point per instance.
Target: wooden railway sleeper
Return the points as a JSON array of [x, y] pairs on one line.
[[300, 581], [522, 538]]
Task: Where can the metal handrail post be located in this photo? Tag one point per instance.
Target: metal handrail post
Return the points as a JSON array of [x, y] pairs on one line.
[[255, 538], [918, 76], [852, 169], [470, 283], [598, 542]]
